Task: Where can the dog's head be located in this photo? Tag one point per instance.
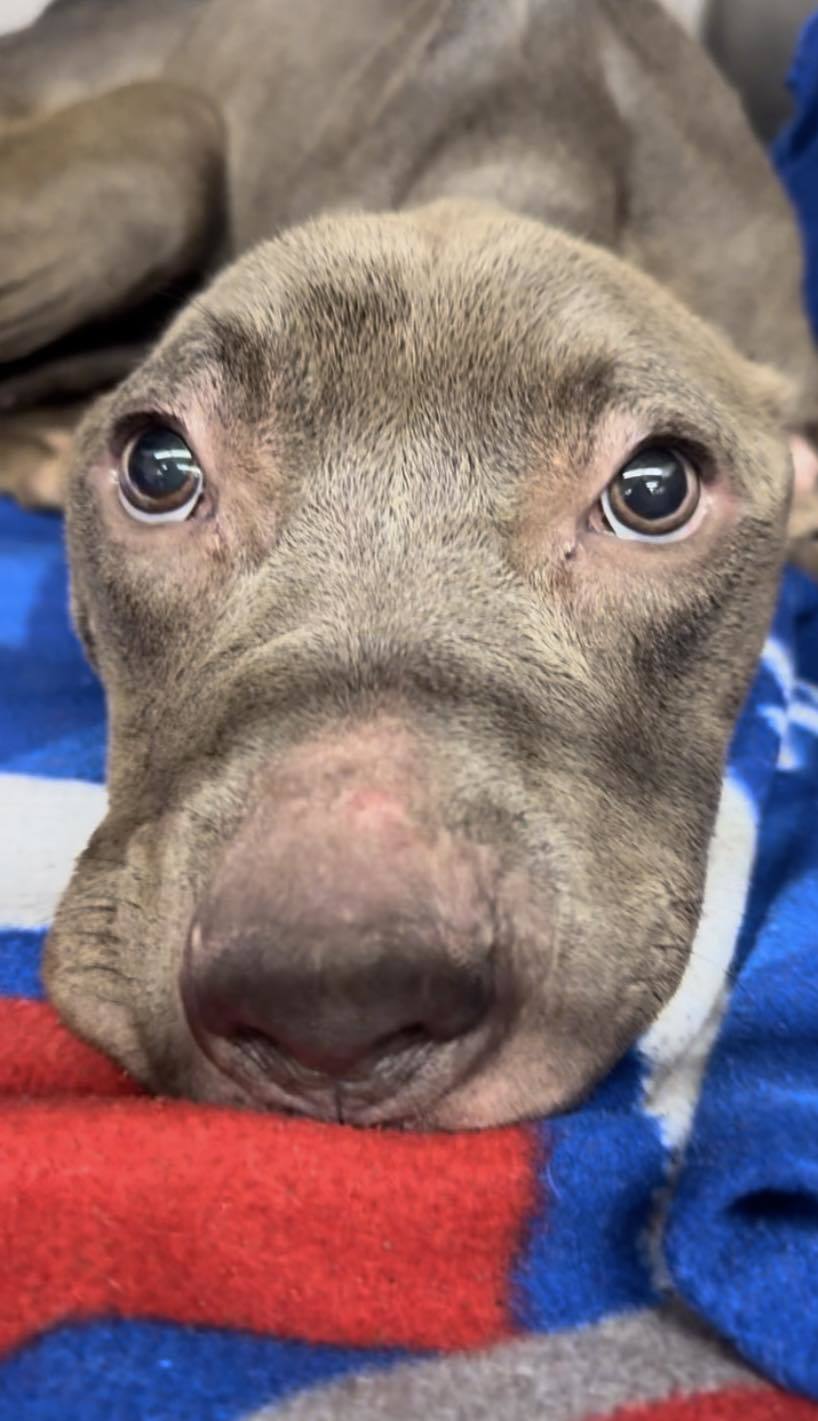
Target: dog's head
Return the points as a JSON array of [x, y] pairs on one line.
[[426, 564]]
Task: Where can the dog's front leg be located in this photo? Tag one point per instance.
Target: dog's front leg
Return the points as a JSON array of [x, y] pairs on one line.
[[102, 204], [34, 454]]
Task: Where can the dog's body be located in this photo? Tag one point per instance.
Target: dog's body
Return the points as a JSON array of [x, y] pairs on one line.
[[414, 762], [201, 131]]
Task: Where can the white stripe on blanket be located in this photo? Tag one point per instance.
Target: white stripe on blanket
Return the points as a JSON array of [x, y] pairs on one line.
[[44, 825], [677, 1045]]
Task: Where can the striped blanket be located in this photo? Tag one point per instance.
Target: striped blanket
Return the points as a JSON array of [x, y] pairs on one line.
[[653, 1254]]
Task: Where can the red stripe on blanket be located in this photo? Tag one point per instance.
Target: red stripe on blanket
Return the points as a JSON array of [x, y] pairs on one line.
[[739, 1404], [38, 1056], [157, 1209]]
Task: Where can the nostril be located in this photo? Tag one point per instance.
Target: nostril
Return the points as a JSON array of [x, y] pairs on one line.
[[274, 1054], [260, 1050], [406, 1039], [274, 1058], [269, 1054], [368, 1003], [292, 1025]]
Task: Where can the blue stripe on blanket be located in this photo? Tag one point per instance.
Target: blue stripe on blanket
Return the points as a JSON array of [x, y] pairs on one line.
[[796, 155], [52, 715], [152, 1371], [743, 1231], [601, 1167], [20, 953]]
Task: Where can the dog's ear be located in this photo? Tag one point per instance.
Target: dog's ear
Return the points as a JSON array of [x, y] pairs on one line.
[[632, 140], [703, 210], [779, 398]]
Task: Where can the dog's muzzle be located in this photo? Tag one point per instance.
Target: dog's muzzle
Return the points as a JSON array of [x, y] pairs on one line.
[[344, 941]]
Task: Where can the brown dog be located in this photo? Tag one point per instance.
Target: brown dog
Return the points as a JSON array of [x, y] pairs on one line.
[[427, 557]]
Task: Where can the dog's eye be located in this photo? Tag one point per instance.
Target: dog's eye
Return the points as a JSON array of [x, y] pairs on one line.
[[159, 478], [654, 497]]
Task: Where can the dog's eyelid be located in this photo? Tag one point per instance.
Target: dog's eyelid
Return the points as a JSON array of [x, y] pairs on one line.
[[126, 425], [699, 455]]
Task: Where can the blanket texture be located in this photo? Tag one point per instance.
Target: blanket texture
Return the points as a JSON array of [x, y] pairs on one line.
[[653, 1254]]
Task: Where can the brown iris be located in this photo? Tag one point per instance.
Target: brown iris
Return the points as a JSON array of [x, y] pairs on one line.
[[656, 493], [160, 477]]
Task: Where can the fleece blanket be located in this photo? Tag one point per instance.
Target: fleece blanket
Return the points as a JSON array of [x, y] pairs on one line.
[[653, 1254]]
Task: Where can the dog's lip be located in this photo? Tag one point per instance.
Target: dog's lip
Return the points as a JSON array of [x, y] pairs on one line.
[[411, 1098], [387, 1074]]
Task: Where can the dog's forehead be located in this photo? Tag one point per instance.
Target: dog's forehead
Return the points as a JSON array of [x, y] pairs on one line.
[[480, 316]]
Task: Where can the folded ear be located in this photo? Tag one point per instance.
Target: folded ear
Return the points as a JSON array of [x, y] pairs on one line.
[[705, 212], [779, 399]]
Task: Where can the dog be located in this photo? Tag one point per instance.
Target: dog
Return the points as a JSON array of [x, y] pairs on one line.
[[426, 554]]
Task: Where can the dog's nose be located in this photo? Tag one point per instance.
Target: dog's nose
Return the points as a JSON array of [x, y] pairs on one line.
[[383, 1000], [341, 939]]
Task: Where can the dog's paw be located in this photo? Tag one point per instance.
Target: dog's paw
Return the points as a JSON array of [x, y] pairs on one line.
[[41, 244], [34, 460], [32, 297]]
